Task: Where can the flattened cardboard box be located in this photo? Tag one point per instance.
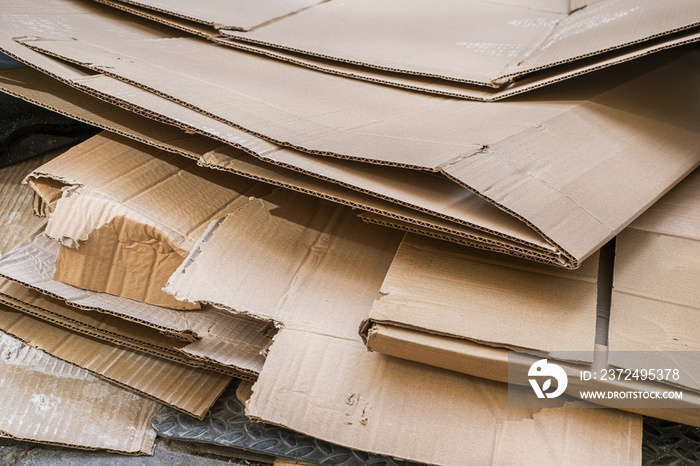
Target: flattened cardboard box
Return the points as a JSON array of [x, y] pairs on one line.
[[505, 172], [425, 83], [58, 403], [479, 43], [317, 269]]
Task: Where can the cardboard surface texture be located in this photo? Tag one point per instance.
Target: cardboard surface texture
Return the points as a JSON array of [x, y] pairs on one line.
[[110, 242], [483, 297], [59, 403], [655, 298], [188, 389], [52, 401], [322, 268], [480, 42], [240, 15], [498, 169]]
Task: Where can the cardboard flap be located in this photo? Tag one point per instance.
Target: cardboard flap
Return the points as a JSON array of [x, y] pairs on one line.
[[58, 403], [480, 296], [655, 300], [328, 388]]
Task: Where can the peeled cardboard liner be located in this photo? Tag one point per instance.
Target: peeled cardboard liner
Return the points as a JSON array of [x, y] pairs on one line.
[[58, 403], [575, 218], [214, 337], [112, 242]]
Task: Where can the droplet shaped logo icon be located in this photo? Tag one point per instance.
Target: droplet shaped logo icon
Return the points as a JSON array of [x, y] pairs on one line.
[[541, 369]]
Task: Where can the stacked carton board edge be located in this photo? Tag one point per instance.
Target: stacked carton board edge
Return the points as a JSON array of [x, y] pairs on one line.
[[234, 274]]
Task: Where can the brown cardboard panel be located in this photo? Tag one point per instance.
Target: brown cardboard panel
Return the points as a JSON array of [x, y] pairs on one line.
[[313, 237], [38, 88], [119, 242], [656, 298], [441, 288], [317, 269], [217, 338], [185, 388], [575, 217], [459, 89], [355, 410], [237, 14], [482, 43], [58, 403], [417, 82], [422, 192]]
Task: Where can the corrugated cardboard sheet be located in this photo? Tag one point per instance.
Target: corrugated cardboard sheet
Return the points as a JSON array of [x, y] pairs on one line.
[[189, 389], [208, 338], [656, 297], [478, 42], [574, 219], [59, 403]]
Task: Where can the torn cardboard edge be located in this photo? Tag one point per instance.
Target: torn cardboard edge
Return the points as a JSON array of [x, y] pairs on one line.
[[592, 221], [218, 338], [125, 241], [56, 403], [417, 82], [491, 363], [194, 392]]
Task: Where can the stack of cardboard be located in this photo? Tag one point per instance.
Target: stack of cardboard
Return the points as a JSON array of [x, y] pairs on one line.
[[277, 175]]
